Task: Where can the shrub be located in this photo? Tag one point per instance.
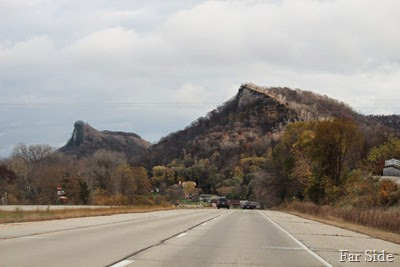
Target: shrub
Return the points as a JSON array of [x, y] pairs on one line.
[[388, 220]]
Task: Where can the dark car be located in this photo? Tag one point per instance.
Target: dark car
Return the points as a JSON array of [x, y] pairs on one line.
[[223, 203], [249, 205]]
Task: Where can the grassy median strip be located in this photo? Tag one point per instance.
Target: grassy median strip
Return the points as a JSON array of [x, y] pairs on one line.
[[41, 215], [382, 224]]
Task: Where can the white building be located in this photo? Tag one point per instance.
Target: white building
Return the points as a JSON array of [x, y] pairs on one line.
[[392, 168]]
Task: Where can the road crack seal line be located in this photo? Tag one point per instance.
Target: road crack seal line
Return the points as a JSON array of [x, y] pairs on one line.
[[283, 248], [337, 235], [163, 241], [302, 222], [315, 255]]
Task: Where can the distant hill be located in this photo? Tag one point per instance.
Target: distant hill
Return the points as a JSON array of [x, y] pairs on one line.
[[86, 140], [247, 124], [250, 122]]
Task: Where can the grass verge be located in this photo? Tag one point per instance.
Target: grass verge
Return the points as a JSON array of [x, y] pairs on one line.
[[382, 224], [42, 215]]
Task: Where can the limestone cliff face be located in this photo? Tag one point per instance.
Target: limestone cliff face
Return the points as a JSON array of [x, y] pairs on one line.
[[86, 140], [78, 133], [250, 94]]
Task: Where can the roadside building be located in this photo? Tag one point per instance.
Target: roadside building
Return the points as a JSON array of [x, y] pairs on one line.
[[392, 168], [207, 197]]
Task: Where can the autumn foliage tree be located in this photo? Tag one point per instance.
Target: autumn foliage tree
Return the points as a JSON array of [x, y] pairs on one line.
[[7, 183], [162, 174], [336, 148], [143, 185], [319, 155], [123, 181], [375, 160]]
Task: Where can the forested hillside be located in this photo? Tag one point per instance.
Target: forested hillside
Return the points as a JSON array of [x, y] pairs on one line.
[[247, 123], [266, 143], [234, 144]]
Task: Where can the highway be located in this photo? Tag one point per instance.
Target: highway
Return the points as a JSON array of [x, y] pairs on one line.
[[187, 237]]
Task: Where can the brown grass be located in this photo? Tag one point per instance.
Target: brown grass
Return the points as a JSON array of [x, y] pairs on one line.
[[28, 216], [383, 224]]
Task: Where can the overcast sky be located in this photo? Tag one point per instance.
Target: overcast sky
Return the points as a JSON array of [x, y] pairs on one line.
[[153, 66]]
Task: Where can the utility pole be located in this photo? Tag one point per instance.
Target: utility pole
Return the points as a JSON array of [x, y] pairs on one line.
[[5, 198]]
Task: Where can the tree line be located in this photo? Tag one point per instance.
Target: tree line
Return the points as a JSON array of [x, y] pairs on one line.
[[32, 174], [323, 161], [329, 162]]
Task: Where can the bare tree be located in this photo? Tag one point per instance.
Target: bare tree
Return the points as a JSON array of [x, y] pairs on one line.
[[174, 193], [269, 188], [32, 153], [99, 167]]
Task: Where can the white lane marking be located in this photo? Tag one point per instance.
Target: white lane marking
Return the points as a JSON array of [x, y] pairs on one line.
[[122, 263], [318, 257], [181, 235], [203, 224]]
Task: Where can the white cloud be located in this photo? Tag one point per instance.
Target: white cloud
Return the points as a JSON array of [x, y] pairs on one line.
[[189, 94], [339, 36], [58, 56], [27, 56], [111, 42]]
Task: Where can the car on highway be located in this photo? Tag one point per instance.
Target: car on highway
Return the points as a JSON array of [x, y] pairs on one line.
[[223, 203], [249, 205]]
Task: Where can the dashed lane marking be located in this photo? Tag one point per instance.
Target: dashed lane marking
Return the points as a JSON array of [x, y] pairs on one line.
[[122, 263], [181, 235], [159, 243]]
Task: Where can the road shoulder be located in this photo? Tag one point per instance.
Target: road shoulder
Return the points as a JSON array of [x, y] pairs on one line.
[[376, 233], [327, 240]]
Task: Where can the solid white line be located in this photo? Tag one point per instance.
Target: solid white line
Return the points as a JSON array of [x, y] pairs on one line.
[[181, 235], [122, 263], [318, 257]]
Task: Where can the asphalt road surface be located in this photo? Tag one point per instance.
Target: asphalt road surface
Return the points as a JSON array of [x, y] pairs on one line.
[[198, 237]]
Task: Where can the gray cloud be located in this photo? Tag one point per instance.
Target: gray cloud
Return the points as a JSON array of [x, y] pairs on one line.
[[135, 65]]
